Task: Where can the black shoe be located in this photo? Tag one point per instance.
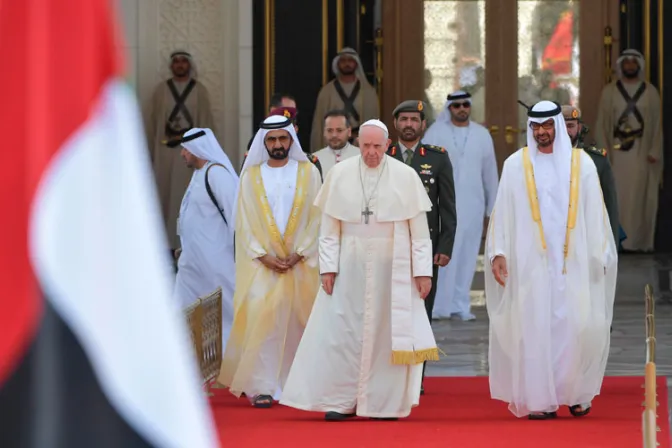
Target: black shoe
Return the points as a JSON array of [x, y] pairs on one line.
[[578, 411], [422, 390], [542, 416], [386, 419], [337, 416]]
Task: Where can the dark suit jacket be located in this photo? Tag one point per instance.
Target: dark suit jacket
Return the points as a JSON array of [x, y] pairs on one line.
[[436, 173]]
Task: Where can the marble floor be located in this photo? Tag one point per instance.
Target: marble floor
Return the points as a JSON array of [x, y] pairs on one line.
[[466, 343]]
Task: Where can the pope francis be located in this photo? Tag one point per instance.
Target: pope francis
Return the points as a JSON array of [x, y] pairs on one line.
[[368, 334]]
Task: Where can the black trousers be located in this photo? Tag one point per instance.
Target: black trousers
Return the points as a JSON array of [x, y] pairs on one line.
[[429, 303]]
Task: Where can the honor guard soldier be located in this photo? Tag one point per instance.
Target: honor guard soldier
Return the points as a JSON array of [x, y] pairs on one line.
[[291, 113], [436, 173], [574, 124]]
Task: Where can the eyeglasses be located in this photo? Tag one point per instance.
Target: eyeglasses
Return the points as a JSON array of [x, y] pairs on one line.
[[465, 104], [550, 124]]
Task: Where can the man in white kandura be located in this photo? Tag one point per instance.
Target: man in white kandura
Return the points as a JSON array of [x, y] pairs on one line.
[[277, 277], [368, 334], [472, 155], [205, 225], [337, 132], [550, 292]]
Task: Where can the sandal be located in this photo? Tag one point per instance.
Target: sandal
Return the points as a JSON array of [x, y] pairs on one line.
[[263, 401], [578, 411]]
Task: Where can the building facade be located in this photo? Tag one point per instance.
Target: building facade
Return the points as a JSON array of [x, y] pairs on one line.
[[503, 51]]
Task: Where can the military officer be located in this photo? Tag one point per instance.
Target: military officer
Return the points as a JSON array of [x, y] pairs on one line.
[[436, 172], [574, 129], [289, 112]]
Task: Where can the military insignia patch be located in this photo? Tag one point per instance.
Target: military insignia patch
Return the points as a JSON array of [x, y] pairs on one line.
[[575, 113], [393, 151], [604, 152], [420, 106], [423, 151], [287, 114], [425, 166]]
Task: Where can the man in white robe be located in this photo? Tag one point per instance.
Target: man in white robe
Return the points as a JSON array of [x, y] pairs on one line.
[[349, 90], [205, 225], [629, 126], [550, 292], [177, 105], [337, 132], [368, 334], [472, 155], [277, 276]]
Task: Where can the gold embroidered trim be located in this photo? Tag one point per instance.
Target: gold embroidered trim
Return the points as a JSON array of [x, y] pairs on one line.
[[412, 357], [532, 194], [574, 181], [277, 240]]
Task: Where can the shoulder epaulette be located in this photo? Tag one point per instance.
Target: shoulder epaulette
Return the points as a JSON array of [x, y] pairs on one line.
[[392, 150], [594, 150], [434, 148]]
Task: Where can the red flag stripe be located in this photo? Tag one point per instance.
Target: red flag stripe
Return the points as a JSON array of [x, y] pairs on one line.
[[47, 60]]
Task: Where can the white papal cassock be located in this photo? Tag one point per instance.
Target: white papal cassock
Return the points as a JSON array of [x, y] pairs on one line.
[[549, 326], [363, 347]]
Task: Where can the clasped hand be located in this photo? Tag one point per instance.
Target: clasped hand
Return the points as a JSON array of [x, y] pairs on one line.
[[280, 265]]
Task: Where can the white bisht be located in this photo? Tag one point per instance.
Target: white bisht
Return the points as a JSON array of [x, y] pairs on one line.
[[549, 326]]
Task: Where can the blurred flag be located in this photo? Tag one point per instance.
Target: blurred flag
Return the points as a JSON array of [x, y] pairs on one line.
[[557, 56], [92, 352]]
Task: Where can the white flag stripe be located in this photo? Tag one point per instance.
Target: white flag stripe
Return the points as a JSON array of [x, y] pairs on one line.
[[98, 248]]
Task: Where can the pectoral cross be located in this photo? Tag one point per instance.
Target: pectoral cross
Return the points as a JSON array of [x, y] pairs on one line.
[[366, 213]]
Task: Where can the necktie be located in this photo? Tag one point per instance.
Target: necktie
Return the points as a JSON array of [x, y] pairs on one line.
[[409, 157]]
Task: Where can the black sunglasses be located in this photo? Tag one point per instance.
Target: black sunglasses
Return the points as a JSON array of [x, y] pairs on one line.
[[465, 104]]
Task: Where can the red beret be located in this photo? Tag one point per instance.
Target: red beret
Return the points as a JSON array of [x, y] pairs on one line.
[[289, 112]]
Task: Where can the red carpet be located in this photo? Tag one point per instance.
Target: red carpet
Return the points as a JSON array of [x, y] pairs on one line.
[[455, 413]]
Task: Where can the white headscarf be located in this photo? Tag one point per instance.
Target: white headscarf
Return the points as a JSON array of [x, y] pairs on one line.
[[359, 71], [184, 54], [258, 153], [562, 145], [444, 115], [631, 54], [207, 148]]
